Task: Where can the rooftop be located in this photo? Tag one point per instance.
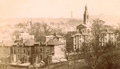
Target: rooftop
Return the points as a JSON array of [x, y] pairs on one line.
[[54, 42]]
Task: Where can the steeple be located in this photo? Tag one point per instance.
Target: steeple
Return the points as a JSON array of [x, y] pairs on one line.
[[85, 15]]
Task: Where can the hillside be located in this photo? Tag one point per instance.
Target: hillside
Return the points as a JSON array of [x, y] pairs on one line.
[[65, 24]]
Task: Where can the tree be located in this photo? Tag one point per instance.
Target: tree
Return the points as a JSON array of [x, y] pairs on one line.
[[21, 27], [94, 52], [46, 29], [69, 41], [117, 30]]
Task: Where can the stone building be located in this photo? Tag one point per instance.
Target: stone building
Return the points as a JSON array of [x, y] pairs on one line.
[[83, 32], [5, 49], [54, 51], [22, 52], [54, 48], [108, 36], [29, 52]]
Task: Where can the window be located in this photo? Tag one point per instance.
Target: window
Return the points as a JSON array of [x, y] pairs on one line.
[[41, 57], [18, 56], [14, 51], [47, 51], [40, 50], [75, 46], [28, 52], [52, 53], [83, 31], [23, 50], [18, 50], [36, 51]]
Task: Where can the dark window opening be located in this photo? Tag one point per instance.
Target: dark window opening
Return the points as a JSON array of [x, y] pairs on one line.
[[52, 53], [18, 50], [40, 50], [23, 50]]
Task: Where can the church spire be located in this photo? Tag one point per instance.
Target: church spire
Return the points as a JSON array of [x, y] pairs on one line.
[[85, 15], [85, 7]]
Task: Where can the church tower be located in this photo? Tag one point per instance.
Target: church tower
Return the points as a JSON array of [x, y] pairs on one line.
[[85, 15]]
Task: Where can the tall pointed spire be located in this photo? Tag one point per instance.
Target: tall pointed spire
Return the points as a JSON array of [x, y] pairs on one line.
[[85, 15], [85, 7]]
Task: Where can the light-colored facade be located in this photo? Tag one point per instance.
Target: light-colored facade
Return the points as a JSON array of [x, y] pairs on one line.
[[83, 32], [108, 37], [57, 50], [59, 37], [5, 49]]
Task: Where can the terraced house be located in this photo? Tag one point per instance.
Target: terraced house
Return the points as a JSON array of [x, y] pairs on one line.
[[28, 52]]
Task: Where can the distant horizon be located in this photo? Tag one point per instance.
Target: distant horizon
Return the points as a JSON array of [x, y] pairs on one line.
[[56, 8], [60, 17], [112, 20]]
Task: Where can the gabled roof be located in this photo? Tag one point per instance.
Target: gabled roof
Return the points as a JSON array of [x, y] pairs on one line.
[[29, 42], [18, 41], [54, 42], [107, 31], [81, 26], [76, 34], [54, 36]]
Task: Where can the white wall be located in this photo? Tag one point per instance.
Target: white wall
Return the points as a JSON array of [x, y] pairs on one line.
[[59, 53]]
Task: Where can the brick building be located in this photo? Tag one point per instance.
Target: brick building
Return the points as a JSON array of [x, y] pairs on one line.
[[29, 52]]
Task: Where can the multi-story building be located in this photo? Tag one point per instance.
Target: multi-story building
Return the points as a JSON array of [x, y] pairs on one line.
[[27, 51], [82, 32], [22, 52], [56, 46], [55, 50], [5, 49], [108, 37], [69, 41], [56, 36]]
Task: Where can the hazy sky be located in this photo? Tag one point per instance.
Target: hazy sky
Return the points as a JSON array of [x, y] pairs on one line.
[[57, 8]]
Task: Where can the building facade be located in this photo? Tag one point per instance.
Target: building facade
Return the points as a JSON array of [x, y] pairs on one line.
[[108, 37], [29, 52], [83, 32], [5, 49], [57, 50]]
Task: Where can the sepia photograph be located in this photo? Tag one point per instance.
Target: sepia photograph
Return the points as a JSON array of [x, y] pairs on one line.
[[59, 34]]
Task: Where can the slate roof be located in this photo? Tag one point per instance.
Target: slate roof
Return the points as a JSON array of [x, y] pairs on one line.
[[29, 42], [54, 42], [76, 34], [81, 26], [105, 31]]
